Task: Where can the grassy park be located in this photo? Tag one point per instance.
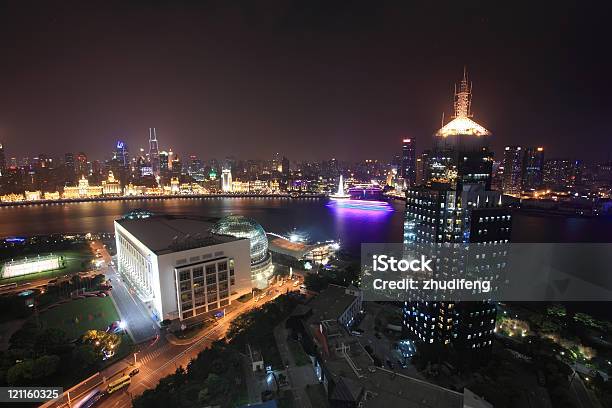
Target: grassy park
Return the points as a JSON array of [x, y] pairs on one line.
[[77, 316]]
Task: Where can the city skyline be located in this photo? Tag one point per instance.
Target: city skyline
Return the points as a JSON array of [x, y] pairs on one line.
[[292, 76]]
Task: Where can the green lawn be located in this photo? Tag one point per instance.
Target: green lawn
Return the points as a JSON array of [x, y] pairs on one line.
[[74, 261], [77, 316]]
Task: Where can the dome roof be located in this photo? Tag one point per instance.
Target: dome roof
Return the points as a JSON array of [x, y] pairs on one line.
[[243, 227]]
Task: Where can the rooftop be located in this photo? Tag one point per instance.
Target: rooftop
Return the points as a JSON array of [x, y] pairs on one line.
[[169, 233], [330, 303], [287, 247]]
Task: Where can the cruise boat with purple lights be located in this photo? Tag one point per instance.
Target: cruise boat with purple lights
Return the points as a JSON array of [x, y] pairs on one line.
[[360, 197]]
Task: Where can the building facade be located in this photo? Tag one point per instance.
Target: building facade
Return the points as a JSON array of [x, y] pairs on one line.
[[179, 268], [512, 181]]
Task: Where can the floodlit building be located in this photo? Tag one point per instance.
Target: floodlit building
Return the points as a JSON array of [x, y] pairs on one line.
[[226, 181], [461, 153], [110, 186], [261, 261], [180, 267]]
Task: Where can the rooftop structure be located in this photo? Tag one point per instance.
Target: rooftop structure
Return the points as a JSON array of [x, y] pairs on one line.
[[461, 124], [166, 233], [243, 227]]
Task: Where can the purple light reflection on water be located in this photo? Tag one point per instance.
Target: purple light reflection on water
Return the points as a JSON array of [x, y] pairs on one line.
[[362, 223], [363, 206]]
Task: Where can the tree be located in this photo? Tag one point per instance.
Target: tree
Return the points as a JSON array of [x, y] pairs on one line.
[[45, 366], [105, 344], [20, 373], [85, 355]]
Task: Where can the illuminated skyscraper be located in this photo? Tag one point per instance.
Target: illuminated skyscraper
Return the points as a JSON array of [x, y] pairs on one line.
[[455, 208], [461, 153], [513, 170], [121, 154], [408, 165], [153, 151], [533, 168], [226, 180]]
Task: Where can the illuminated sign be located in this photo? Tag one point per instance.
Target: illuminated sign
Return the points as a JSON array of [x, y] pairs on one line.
[[120, 144]]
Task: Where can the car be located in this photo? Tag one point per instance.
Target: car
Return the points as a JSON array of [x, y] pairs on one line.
[[134, 372], [101, 294]]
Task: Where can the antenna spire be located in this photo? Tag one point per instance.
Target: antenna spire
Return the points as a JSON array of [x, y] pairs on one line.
[[463, 97]]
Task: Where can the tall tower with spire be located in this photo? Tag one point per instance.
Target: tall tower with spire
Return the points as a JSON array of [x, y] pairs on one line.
[[466, 212], [461, 152], [153, 151], [463, 97]]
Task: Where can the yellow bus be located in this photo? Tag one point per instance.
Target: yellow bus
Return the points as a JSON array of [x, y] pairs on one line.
[[118, 383]]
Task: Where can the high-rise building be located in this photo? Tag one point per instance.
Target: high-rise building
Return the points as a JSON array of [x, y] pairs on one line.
[[196, 168], [497, 175], [560, 174], [461, 153], [2, 160], [81, 166], [456, 207], [533, 168], [153, 152], [164, 162], [226, 180], [121, 154], [513, 170], [408, 165], [422, 168]]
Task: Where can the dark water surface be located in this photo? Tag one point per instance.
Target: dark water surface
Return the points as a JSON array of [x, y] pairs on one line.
[[312, 217]]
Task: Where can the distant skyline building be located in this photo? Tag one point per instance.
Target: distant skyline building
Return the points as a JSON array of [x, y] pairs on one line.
[[121, 154], [408, 164], [153, 152], [2, 160], [533, 168], [561, 174], [513, 170], [81, 166], [226, 180]]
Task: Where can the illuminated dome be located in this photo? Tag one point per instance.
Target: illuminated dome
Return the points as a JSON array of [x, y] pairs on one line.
[[243, 227]]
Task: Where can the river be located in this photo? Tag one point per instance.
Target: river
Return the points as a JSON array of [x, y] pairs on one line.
[[312, 217]]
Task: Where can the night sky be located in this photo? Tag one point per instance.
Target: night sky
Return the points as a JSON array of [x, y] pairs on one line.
[[310, 79]]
